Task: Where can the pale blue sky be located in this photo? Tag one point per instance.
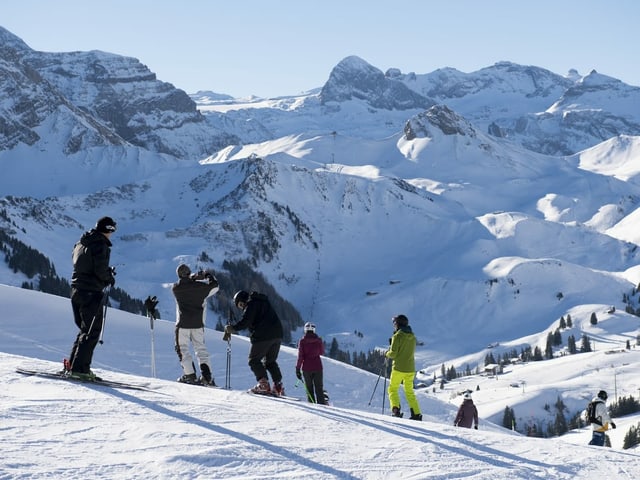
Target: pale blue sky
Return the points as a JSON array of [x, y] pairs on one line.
[[283, 47]]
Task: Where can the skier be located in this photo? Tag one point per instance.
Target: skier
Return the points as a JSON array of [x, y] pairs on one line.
[[467, 413], [89, 280], [191, 292], [265, 332], [601, 420], [403, 370], [309, 364]]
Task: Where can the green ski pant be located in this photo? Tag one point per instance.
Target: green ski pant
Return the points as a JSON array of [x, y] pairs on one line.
[[406, 379]]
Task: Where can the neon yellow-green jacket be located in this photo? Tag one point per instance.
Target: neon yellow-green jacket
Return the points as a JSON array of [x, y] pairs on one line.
[[402, 350]]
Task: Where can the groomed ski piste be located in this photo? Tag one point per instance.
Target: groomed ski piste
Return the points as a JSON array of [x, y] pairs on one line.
[[56, 428], [62, 429]]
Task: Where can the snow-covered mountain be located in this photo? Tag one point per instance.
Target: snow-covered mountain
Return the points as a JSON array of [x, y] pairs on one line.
[[497, 200]]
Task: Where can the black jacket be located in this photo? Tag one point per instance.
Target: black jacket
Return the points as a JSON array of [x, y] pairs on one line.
[[190, 300], [91, 269], [260, 319]]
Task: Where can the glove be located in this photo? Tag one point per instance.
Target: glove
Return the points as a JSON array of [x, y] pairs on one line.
[[298, 374], [613, 425], [150, 304], [211, 279], [476, 427], [228, 330]]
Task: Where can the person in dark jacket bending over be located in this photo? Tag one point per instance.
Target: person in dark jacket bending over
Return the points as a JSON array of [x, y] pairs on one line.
[[191, 292], [403, 368], [265, 333], [89, 280], [467, 413], [309, 364]]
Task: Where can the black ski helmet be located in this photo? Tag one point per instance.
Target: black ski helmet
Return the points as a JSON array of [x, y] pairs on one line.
[[106, 225], [603, 395], [400, 320], [240, 296]]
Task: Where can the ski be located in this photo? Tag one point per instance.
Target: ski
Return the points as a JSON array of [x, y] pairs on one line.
[[98, 381], [272, 395], [200, 384]]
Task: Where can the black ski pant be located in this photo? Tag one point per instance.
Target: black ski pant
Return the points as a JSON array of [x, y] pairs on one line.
[[263, 357], [314, 384], [88, 317]]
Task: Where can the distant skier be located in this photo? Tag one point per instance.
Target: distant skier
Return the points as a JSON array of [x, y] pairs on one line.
[[89, 280], [403, 369], [309, 364], [265, 333], [191, 292], [467, 413], [601, 420]]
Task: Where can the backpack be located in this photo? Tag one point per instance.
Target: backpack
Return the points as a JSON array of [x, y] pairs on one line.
[[590, 414]]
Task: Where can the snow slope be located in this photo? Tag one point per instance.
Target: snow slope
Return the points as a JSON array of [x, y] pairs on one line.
[[57, 429]]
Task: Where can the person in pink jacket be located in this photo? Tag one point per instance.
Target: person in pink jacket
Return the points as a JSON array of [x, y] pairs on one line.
[[309, 364], [467, 413]]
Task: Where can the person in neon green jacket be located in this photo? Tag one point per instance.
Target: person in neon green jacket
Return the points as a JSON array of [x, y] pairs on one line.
[[403, 367]]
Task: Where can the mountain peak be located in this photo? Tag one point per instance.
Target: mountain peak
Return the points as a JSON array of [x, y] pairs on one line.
[[594, 78], [443, 119], [353, 78]]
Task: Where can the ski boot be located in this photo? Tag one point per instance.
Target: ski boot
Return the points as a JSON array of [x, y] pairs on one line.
[[189, 378], [262, 388], [278, 389]]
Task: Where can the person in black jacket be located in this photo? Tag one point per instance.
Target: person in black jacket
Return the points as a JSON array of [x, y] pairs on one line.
[[191, 292], [265, 333], [89, 281]]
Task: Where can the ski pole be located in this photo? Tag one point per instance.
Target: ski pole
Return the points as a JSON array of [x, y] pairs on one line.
[[384, 391], [103, 305], [311, 399], [153, 349], [376, 385], [227, 378]]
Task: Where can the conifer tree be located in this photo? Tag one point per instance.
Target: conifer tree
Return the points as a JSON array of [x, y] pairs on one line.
[[548, 351], [632, 437], [537, 354], [509, 418], [557, 338]]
